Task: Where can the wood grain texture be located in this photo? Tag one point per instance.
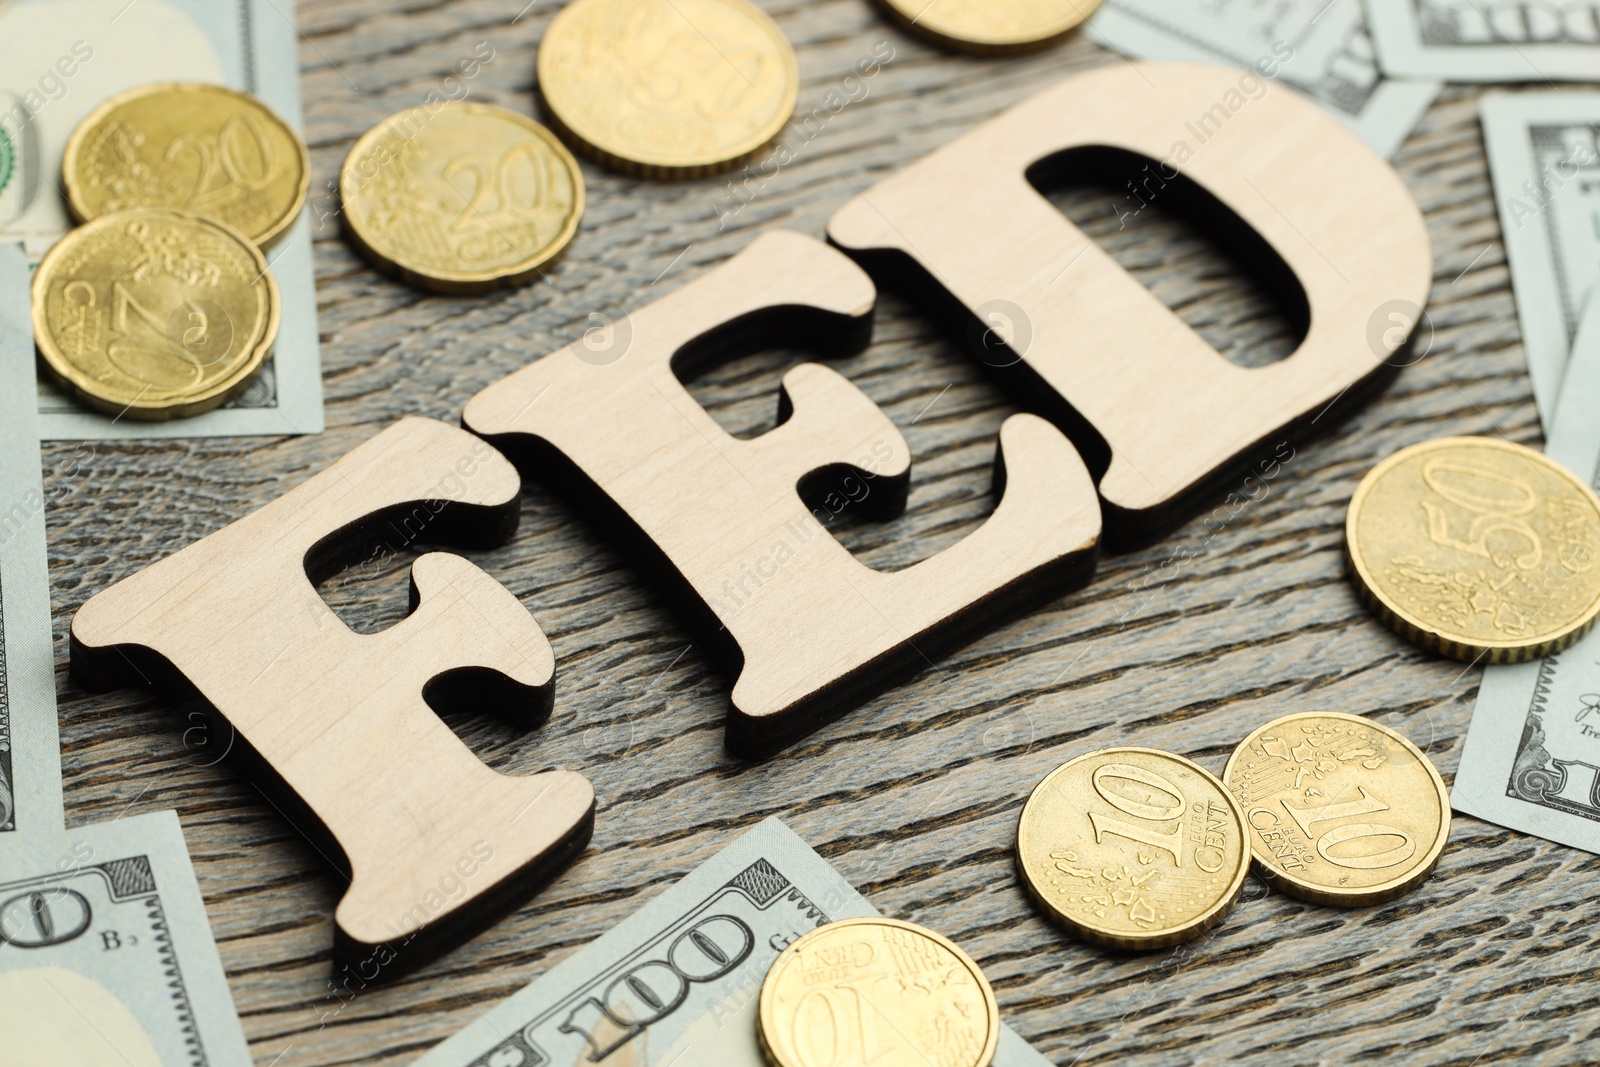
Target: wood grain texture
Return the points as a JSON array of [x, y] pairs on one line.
[[1242, 615], [1291, 193], [734, 532], [337, 728]]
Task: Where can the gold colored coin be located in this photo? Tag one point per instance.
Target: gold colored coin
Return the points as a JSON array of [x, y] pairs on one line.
[[461, 198], [667, 88], [990, 26], [1477, 549], [1133, 848], [191, 147], [876, 993], [1342, 810], [154, 314]]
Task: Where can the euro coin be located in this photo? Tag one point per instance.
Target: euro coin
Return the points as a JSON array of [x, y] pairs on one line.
[[191, 147], [989, 26], [461, 198], [1133, 848], [1477, 548], [667, 88], [1342, 810], [876, 993], [154, 314]]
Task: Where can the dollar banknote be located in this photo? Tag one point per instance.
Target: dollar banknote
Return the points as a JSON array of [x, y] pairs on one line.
[[105, 953], [1532, 756], [1488, 40], [1319, 47], [678, 982], [1544, 158], [61, 58], [30, 760]]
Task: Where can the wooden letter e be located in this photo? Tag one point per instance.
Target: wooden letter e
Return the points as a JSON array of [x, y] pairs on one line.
[[723, 523]]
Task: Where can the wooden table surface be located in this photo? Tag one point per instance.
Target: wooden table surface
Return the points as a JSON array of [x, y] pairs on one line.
[[1185, 646]]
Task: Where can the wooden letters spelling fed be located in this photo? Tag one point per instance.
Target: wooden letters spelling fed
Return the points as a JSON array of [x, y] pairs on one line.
[[340, 728]]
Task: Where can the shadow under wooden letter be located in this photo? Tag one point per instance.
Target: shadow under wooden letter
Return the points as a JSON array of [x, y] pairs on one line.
[[337, 726], [1263, 168], [808, 631]]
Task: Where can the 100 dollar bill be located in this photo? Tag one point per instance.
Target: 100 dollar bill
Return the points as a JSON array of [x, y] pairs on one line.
[[1488, 40], [678, 982], [106, 956], [1319, 47], [58, 60], [30, 758], [1532, 756], [1544, 157]]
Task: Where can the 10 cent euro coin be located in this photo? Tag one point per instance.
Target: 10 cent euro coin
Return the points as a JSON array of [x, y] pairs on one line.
[[1477, 548], [461, 198], [876, 992], [1342, 810], [667, 88], [192, 147], [154, 314], [1133, 848]]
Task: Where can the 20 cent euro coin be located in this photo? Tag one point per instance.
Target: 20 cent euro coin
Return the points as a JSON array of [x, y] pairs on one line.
[[876, 992], [667, 88], [991, 25], [461, 198], [1477, 548], [154, 314], [1342, 810], [193, 147], [1133, 848]]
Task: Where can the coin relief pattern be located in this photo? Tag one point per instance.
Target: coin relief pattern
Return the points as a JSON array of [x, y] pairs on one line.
[[878, 992], [151, 311], [1487, 544], [200, 148], [1341, 809], [669, 85], [468, 195], [1133, 848]]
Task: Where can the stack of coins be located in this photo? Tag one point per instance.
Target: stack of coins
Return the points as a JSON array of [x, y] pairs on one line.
[[162, 304], [1138, 849], [876, 993]]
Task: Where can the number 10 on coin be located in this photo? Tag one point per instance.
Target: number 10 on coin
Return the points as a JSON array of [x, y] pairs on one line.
[[1133, 848]]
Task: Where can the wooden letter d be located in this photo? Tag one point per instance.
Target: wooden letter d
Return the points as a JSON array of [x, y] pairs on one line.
[[1323, 220]]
